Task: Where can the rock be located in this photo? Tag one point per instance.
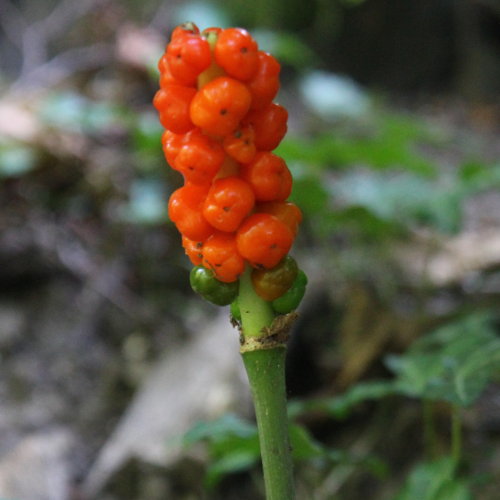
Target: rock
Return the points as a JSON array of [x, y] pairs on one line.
[[445, 261], [38, 467], [199, 381]]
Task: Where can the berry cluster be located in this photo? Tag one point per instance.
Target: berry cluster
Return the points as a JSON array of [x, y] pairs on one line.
[[216, 104]]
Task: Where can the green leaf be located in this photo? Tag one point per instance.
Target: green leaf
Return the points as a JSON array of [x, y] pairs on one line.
[[401, 198], [434, 481], [305, 447], [476, 176], [340, 406], [233, 445], [232, 461], [387, 143], [454, 490], [368, 224], [454, 363], [222, 428]]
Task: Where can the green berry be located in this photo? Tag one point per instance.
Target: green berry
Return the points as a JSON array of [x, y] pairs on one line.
[[204, 282], [291, 299]]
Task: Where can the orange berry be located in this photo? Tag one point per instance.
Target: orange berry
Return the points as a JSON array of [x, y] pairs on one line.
[[193, 250], [285, 211], [220, 254], [270, 126], [236, 52], [166, 77], [269, 177], [221, 126], [273, 283], [180, 31], [188, 56], [240, 144], [219, 106], [184, 210], [263, 240], [172, 103], [199, 158], [228, 202], [171, 144], [163, 64], [264, 84]]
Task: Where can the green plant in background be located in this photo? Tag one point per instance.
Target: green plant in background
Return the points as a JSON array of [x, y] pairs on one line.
[[451, 365], [233, 446], [435, 480], [379, 176]]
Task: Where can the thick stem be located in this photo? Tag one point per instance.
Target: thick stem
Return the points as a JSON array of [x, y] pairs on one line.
[[266, 373], [256, 313]]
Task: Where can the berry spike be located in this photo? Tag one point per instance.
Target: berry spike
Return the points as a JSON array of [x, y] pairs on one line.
[[216, 104]]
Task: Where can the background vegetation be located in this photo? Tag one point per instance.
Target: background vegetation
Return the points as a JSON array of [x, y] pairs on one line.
[[393, 368]]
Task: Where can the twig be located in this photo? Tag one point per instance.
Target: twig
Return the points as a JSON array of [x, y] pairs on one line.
[[62, 16], [32, 39], [63, 65]]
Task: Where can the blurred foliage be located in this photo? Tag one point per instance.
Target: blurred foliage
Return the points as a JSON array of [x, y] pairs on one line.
[[435, 481], [454, 363], [233, 446], [380, 173]]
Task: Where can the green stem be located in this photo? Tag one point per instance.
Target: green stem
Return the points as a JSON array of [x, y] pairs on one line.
[[256, 313], [456, 434], [266, 374]]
